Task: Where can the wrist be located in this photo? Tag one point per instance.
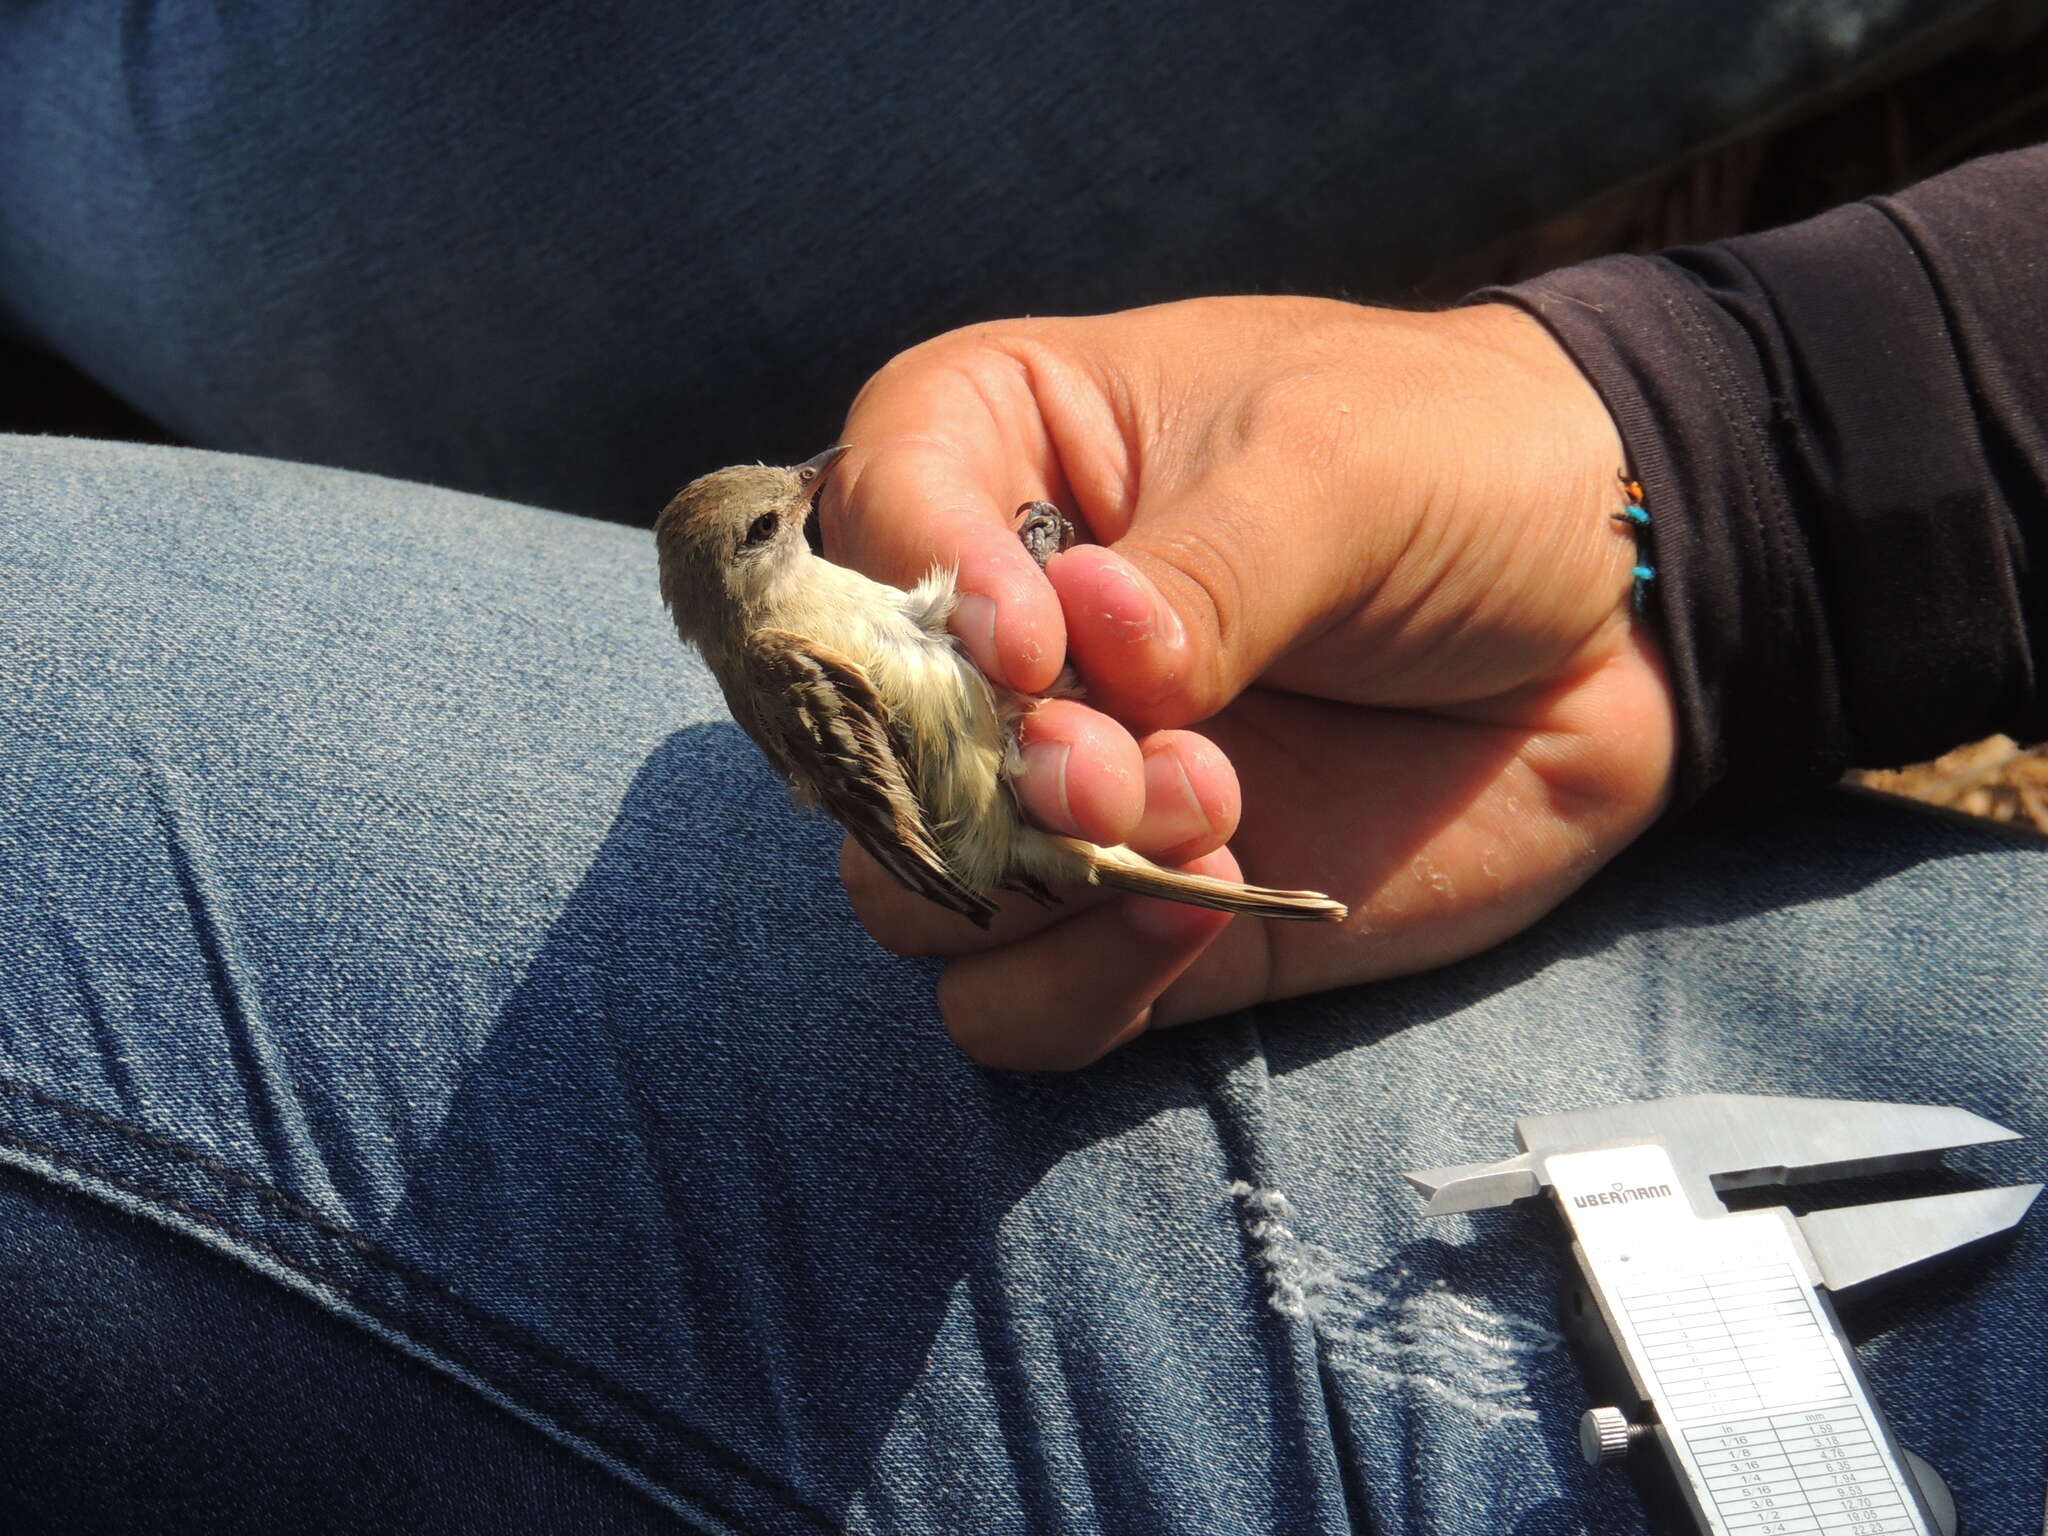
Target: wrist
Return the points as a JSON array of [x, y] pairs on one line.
[[1520, 451]]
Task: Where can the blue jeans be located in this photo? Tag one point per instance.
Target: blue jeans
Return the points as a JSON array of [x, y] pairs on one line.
[[574, 256], [442, 1088]]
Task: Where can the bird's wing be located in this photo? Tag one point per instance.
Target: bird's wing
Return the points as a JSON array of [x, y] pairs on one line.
[[821, 721]]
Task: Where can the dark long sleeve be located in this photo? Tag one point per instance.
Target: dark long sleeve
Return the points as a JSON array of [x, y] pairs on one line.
[[1842, 432]]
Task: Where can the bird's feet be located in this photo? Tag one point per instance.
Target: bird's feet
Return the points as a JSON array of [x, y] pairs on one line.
[[1044, 530]]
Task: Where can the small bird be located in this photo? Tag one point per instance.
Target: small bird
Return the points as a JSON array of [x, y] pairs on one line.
[[863, 701]]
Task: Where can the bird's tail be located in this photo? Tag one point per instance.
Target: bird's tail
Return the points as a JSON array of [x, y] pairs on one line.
[[1124, 870]]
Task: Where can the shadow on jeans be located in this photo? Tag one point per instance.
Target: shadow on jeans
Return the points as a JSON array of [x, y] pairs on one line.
[[777, 1193], [781, 1212]]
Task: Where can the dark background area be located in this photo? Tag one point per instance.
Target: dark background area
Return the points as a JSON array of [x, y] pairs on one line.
[[1917, 115], [1983, 90], [1987, 91]]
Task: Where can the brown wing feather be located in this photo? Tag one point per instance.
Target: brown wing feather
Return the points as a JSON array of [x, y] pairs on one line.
[[822, 723]]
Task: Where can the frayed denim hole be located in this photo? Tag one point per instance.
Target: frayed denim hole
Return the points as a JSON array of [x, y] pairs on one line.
[[1394, 1325]]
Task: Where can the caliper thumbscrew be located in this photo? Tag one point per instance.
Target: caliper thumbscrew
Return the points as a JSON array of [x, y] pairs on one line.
[[1605, 1435]]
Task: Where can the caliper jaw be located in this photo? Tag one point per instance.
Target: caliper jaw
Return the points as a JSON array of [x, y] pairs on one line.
[[1861, 1248], [1723, 1141]]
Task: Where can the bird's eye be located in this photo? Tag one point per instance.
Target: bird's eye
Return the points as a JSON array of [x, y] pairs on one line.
[[762, 529], [806, 474]]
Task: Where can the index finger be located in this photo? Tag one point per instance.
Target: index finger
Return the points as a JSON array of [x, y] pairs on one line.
[[942, 454]]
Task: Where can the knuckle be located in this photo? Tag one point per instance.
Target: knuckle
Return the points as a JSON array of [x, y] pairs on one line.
[[975, 349], [1013, 1049], [905, 943], [1069, 1058], [967, 355], [1080, 1048], [885, 909], [976, 1042], [1305, 417], [898, 931], [1268, 413]]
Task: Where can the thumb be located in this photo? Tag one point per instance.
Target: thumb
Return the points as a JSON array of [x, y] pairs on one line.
[[1171, 622]]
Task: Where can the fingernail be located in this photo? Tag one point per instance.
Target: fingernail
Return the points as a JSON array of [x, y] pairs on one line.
[[1138, 610], [974, 621], [1173, 811], [1044, 785], [1129, 607]]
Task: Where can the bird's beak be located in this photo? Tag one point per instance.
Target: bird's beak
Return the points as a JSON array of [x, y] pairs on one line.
[[811, 475], [812, 472]]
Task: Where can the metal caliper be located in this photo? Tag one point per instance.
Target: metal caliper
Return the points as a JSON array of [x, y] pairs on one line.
[[1707, 1335]]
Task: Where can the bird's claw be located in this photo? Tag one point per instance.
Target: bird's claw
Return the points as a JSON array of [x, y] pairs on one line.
[[1044, 530]]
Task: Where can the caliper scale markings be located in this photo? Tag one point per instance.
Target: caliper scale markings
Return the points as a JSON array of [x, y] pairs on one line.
[[1808, 1471], [1725, 1327], [1740, 1341], [1709, 1331]]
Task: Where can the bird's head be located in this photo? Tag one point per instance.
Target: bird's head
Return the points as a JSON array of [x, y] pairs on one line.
[[729, 537]]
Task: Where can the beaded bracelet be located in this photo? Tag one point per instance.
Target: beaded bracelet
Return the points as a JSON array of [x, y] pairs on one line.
[[1638, 520]]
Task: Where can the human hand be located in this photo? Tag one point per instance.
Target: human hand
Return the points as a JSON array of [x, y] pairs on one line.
[[1372, 554]]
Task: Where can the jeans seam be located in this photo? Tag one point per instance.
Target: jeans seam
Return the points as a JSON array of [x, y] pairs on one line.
[[615, 1393], [66, 1159], [226, 1172]]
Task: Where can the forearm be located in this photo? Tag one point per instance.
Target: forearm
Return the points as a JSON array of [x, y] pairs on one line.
[[1842, 429]]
